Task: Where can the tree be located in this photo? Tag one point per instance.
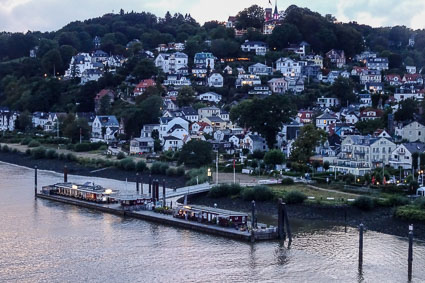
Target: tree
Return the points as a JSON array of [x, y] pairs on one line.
[[223, 48], [269, 115], [252, 17], [24, 121], [326, 165], [406, 111], [145, 69], [343, 88], [305, 145], [368, 127], [186, 96], [196, 153], [415, 159], [105, 105], [52, 60], [274, 157], [282, 35], [72, 128]]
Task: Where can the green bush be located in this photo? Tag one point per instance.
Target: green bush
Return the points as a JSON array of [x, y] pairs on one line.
[[159, 168], [26, 141], [364, 203], [51, 154], [34, 143], [15, 150], [38, 153], [224, 190], [257, 193], [71, 157], [180, 171], [287, 181], [171, 172], [420, 202], [127, 164], [120, 155], [82, 147], [5, 148], [28, 151], [62, 156], [141, 166], [103, 147], [397, 201], [294, 197], [410, 212]]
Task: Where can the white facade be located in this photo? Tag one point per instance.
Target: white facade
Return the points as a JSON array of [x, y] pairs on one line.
[[288, 67], [171, 63], [210, 97], [215, 80]]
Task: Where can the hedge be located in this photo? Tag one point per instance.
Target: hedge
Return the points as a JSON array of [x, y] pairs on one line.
[[38, 153], [364, 203], [294, 197], [257, 193], [34, 143]]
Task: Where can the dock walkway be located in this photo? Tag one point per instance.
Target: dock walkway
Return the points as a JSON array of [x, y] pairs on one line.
[[163, 219]]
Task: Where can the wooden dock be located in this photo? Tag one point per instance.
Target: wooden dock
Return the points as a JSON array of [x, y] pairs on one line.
[[166, 219]]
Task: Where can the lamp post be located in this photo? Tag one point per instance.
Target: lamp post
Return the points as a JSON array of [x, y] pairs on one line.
[[209, 174]]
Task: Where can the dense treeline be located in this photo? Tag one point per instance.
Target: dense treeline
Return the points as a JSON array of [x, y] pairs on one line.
[[28, 84]]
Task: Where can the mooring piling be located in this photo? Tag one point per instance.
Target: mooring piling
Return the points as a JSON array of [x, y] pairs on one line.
[[137, 183], [280, 221], [150, 186], [35, 181], [65, 174], [361, 227], [288, 228], [163, 192], [345, 219], [410, 253]]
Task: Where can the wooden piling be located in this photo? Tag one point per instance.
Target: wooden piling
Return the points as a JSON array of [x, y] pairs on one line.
[[410, 254], [253, 221], [65, 174], [137, 183], [361, 227], [150, 185], [163, 192], [286, 219], [280, 221], [35, 181]]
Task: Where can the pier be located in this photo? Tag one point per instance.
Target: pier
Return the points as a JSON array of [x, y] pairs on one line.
[[165, 219]]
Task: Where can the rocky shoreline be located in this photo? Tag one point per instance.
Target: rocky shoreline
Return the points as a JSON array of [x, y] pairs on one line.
[[74, 168], [380, 219]]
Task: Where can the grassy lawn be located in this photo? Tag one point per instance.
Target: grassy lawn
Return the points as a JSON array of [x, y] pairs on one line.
[[319, 196]]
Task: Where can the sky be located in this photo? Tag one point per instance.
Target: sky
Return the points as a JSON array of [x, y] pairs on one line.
[[49, 15]]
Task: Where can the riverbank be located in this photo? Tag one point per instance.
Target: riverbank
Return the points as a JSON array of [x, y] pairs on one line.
[[75, 168], [379, 219]]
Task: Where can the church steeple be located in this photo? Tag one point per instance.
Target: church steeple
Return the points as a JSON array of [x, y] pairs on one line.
[[276, 12]]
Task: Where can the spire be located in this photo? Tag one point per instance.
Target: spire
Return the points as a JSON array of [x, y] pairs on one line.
[[276, 12]]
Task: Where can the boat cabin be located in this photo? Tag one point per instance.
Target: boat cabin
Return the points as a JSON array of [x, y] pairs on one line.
[[213, 215], [135, 202], [88, 191]]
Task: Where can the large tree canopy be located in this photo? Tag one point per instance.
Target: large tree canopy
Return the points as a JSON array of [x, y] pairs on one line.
[[264, 116]]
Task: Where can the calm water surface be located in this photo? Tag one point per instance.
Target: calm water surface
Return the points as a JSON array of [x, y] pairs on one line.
[[44, 241]]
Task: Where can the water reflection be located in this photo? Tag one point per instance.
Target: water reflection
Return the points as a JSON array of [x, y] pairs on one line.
[[43, 241]]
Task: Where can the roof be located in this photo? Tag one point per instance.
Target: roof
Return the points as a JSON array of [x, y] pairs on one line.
[[188, 110], [414, 147], [253, 43], [259, 65], [168, 138], [146, 83], [108, 121], [256, 138], [104, 92], [219, 211], [215, 119], [203, 55], [326, 115]]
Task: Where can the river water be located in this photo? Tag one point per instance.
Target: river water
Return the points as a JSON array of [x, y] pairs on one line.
[[44, 241]]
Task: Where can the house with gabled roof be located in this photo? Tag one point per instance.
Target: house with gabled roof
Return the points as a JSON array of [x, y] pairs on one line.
[[401, 156], [143, 86], [105, 128]]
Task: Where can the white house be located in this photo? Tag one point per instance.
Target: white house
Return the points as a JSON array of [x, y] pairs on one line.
[[204, 59], [325, 120], [260, 70], [105, 128], [190, 114], [402, 155], [215, 80], [288, 67], [278, 85], [411, 69], [254, 143], [177, 80], [171, 63], [201, 128], [172, 143], [205, 112], [379, 63], [412, 132], [326, 102], [167, 124], [259, 47], [247, 79], [142, 145], [39, 119], [210, 97], [7, 119]]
